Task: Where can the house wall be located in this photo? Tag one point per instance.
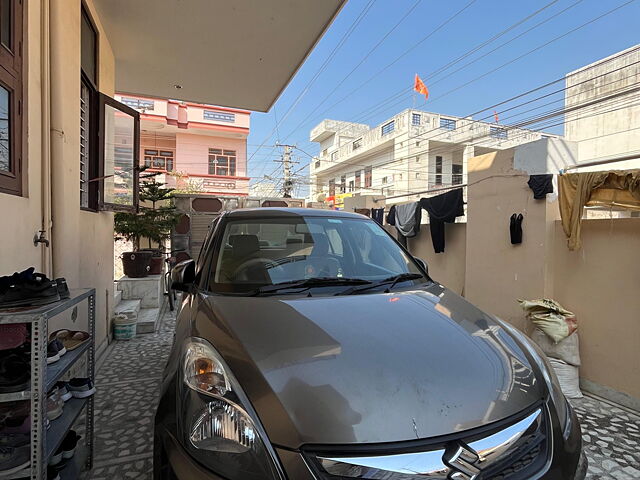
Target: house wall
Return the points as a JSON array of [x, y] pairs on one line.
[[82, 241], [192, 154], [22, 216], [600, 283]]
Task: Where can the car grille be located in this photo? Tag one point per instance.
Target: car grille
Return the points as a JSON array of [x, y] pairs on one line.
[[517, 451]]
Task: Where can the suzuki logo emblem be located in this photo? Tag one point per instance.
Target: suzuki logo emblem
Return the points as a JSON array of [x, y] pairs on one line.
[[462, 460]]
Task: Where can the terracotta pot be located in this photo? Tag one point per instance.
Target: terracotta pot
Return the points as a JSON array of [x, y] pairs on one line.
[[136, 264]]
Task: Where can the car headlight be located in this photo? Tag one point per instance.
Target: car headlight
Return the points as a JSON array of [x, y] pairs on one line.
[[219, 427], [551, 379]]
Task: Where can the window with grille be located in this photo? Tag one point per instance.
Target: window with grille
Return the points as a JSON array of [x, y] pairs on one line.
[[387, 128], [357, 144], [447, 124], [12, 117], [218, 116], [343, 184], [88, 132], [456, 174], [368, 176], [359, 179], [222, 162], [332, 188], [159, 159], [416, 119], [438, 170], [498, 132], [138, 103]]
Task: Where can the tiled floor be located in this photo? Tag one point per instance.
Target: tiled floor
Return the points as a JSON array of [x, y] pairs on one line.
[[127, 391]]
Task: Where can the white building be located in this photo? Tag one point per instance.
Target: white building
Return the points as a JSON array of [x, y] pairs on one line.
[[410, 152], [611, 127]]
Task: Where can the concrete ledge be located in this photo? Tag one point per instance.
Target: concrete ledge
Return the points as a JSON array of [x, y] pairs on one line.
[[610, 394], [147, 289]]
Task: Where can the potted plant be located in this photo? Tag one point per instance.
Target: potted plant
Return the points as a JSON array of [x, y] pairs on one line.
[[153, 223]]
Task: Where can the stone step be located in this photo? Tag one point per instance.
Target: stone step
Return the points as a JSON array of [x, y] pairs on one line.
[[147, 320], [130, 308]]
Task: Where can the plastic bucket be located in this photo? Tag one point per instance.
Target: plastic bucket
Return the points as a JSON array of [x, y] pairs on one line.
[[123, 328]]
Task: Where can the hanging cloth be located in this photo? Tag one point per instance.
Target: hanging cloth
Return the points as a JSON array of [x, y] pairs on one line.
[[378, 215], [620, 188], [391, 216], [541, 185], [408, 216], [515, 228], [442, 208]]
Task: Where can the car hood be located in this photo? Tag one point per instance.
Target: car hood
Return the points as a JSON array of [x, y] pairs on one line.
[[369, 368]]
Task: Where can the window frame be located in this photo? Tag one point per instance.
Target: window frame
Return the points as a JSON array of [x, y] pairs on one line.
[[228, 156], [448, 124], [457, 176], [438, 170], [358, 179], [105, 100], [388, 128], [13, 181], [416, 119], [158, 155], [499, 133], [93, 154], [368, 177]]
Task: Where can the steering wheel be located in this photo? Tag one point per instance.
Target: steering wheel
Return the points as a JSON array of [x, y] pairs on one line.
[[243, 272]]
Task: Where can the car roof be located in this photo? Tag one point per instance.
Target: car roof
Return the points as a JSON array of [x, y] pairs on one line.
[[262, 212]]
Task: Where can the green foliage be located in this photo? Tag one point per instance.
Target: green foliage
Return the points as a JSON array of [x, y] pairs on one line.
[[153, 223]]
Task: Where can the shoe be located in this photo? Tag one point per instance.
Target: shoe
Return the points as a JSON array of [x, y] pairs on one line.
[[69, 444], [12, 410], [14, 459], [63, 288], [63, 388], [71, 339], [13, 335], [52, 474], [16, 425], [53, 353], [55, 404], [81, 387], [60, 346], [27, 290], [56, 458], [14, 373]]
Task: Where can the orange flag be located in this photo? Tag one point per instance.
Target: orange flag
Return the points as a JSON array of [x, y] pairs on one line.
[[495, 116], [420, 87]]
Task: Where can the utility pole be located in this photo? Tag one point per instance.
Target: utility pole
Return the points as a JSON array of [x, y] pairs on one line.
[[287, 179]]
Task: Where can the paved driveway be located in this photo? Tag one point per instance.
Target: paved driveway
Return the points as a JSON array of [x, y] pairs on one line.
[[128, 382]]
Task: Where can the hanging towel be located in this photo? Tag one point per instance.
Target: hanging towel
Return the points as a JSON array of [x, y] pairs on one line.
[[408, 216], [442, 208], [541, 185], [378, 215]]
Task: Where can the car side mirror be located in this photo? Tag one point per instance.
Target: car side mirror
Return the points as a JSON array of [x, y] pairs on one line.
[[422, 264], [183, 275]]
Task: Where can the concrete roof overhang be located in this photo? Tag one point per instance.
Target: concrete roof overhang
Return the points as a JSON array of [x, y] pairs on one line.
[[239, 53]]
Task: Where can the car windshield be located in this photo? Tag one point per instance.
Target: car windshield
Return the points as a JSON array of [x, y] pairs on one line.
[[260, 252]]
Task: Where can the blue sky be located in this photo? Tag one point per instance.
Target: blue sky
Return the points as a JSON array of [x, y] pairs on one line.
[[476, 24]]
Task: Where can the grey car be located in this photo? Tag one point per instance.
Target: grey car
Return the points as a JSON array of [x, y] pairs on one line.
[[311, 345]]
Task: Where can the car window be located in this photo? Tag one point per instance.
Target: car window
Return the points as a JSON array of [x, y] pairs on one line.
[[265, 251]]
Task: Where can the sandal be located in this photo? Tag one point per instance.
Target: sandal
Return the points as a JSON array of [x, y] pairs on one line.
[[70, 339]]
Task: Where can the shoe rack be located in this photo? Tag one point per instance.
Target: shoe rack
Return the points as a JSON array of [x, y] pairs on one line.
[[45, 441]]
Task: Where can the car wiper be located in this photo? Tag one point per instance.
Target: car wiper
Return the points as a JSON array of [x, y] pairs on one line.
[[403, 277], [308, 283]]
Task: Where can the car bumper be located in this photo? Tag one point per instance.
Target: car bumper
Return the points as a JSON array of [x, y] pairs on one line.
[[568, 461]]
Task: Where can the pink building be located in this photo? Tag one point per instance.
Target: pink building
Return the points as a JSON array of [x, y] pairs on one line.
[[198, 148]]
